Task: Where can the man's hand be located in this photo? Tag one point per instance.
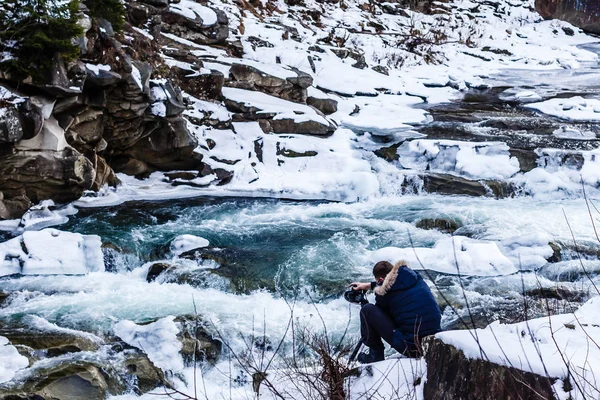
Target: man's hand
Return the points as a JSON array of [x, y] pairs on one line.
[[360, 286]]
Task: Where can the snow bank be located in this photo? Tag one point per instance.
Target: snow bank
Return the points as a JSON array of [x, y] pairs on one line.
[[474, 257], [486, 160], [560, 346], [395, 377], [574, 108], [51, 251], [158, 340], [324, 168], [10, 360], [96, 68], [183, 243]]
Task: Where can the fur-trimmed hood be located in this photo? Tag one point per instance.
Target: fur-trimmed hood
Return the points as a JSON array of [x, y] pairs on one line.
[[408, 278]]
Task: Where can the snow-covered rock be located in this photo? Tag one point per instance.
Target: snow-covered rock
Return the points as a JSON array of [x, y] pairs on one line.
[[453, 255], [561, 350], [10, 360], [486, 160], [183, 243], [51, 251], [158, 340]]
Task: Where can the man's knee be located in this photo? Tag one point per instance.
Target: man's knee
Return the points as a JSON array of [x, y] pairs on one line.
[[368, 309]]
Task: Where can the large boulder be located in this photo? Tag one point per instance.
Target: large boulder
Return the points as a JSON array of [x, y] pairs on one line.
[[582, 13], [452, 184], [169, 146], [64, 381], [451, 375], [196, 342], [204, 86], [43, 174], [276, 115], [39, 335]]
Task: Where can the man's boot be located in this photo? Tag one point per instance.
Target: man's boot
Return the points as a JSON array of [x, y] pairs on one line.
[[372, 356]]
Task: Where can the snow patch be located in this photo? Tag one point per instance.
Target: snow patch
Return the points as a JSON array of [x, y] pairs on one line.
[[486, 160]]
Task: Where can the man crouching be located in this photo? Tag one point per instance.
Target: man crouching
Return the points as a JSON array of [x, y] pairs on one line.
[[404, 311]]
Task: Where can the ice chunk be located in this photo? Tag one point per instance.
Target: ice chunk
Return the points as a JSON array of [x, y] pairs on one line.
[[183, 243], [51, 251]]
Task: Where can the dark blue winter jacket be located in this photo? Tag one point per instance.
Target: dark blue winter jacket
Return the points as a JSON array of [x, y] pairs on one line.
[[407, 299]]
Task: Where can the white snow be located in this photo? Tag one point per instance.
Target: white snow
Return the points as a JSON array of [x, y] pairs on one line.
[[51, 251], [157, 339], [453, 255], [528, 96], [554, 177], [183, 243], [574, 108], [96, 68], [271, 104], [192, 10], [402, 378], [137, 76], [560, 346], [485, 160], [384, 113], [202, 107], [10, 360]]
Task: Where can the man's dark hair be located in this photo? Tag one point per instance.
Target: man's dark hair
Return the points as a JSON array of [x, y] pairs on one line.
[[381, 269]]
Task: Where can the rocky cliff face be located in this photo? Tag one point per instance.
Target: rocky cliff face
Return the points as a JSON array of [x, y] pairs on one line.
[[582, 13], [120, 106], [103, 113]]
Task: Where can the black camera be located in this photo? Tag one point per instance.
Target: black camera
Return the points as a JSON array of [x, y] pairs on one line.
[[356, 296]]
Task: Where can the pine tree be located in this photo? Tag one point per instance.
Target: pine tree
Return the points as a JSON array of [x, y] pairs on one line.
[[34, 32], [111, 10]]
